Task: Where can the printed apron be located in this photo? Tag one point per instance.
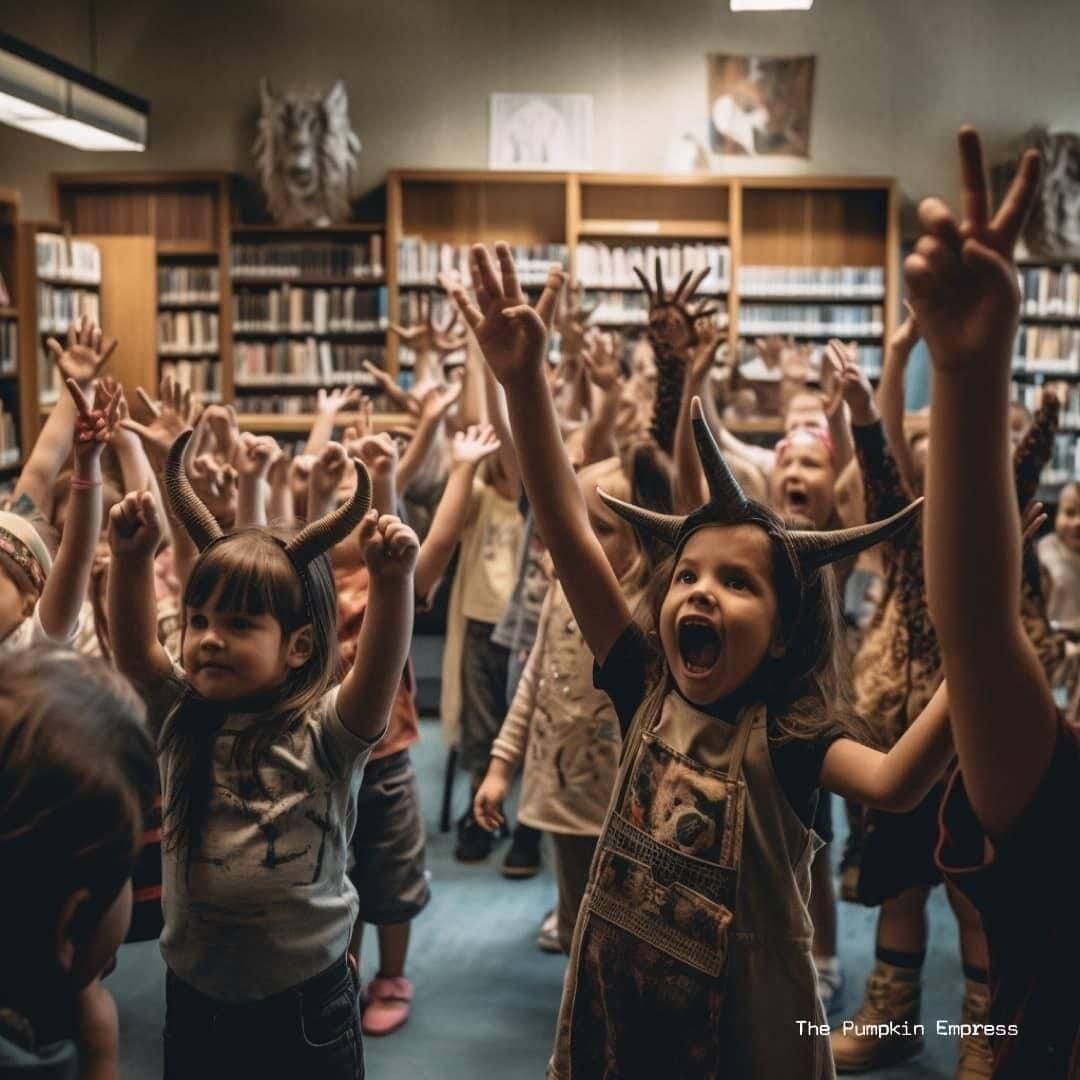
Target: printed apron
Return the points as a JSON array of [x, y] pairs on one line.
[[649, 989]]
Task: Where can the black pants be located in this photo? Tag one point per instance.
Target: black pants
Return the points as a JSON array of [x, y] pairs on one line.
[[311, 1030]]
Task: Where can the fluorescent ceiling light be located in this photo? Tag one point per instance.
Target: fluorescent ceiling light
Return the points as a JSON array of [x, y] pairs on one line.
[[48, 97], [771, 5]]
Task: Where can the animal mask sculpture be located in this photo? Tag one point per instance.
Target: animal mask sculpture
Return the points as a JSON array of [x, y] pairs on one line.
[[306, 155]]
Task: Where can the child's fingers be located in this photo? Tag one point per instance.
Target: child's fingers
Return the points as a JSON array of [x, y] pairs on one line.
[[973, 177], [1014, 208], [549, 298], [937, 219], [468, 309], [510, 287], [483, 272], [79, 398]]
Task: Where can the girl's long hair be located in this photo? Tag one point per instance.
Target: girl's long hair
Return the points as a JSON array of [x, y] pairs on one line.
[[256, 577]]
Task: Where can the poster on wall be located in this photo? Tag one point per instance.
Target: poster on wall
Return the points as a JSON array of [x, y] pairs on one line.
[[760, 105], [541, 131]]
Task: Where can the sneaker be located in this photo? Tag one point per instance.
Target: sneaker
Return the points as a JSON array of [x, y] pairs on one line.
[[548, 938], [523, 858], [474, 843], [387, 1004], [893, 996], [976, 1060], [830, 984]]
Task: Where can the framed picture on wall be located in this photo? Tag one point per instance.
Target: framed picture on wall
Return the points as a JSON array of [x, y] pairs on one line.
[[541, 131], [760, 105]]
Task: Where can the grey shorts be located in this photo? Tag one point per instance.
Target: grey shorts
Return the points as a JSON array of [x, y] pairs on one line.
[[483, 695], [387, 856]]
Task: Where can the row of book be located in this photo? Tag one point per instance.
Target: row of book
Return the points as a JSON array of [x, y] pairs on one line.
[[420, 263], [9, 438], [1049, 291], [838, 281], [9, 346], [63, 259], [294, 405], [187, 285], [202, 376], [59, 306], [305, 363], [611, 266], [320, 311], [359, 260], [1064, 463], [1049, 347], [813, 320], [185, 332], [1068, 394]]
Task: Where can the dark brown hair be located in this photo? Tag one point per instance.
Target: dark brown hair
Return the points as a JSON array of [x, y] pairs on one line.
[[77, 776], [256, 577]]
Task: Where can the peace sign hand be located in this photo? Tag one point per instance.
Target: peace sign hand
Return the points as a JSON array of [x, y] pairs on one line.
[[961, 276]]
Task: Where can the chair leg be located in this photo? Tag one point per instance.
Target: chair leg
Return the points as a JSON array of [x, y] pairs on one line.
[[448, 789]]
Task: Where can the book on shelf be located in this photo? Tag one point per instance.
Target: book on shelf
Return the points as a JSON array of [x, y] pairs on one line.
[[5, 295], [187, 332], [862, 282], [1064, 463], [420, 262], [1049, 291], [304, 362], [308, 310], [59, 305], [301, 405], [203, 377], [817, 320], [357, 260], [9, 438], [63, 259], [1048, 349], [9, 347], [611, 266], [187, 285]]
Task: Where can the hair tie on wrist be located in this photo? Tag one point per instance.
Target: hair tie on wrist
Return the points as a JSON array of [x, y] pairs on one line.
[[84, 484]]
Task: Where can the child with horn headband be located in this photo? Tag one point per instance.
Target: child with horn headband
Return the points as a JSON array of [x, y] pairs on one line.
[[1008, 823], [260, 759], [691, 956]]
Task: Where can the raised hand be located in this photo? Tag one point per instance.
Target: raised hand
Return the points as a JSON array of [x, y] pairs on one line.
[[255, 455], [961, 276], [472, 446], [327, 471], [857, 391], [385, 383], [832, 382], [176, 411], [428, 336], [572, 322], [330, 403], [710, 338], [437, 401], [221, 422], [511, 334], [390, 547], [216, 484], [601, 360], [672, 321], [85, 354], [378, 452], [94, 425], [1031, 521], [906, 335], [134, 525]]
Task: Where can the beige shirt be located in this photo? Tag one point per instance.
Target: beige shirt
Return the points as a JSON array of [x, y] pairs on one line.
[[1063, 566], [489, 553], [563, 728]]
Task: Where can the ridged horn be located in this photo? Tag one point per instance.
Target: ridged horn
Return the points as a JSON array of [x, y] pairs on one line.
[[724, 490], [189, 509], [332, 528], [663, 527], [816, 549]]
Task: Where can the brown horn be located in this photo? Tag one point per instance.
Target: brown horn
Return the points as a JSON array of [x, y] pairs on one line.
[[322, 535], [187, 507], [724, 490], [663, 527], [816, 549]]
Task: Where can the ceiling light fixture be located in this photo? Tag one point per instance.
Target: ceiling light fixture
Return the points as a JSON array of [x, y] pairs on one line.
[[47, 96], [771, 5]]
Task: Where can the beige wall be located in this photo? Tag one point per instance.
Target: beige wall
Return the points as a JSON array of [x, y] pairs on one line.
[[894, 77]]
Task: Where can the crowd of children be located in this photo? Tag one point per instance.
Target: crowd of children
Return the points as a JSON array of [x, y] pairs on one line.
[[666, 630]]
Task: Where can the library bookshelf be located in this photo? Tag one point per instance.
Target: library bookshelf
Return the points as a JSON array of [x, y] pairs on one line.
[[11, 439]]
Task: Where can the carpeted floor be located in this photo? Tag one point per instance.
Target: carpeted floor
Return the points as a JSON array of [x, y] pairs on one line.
[[486, 997]]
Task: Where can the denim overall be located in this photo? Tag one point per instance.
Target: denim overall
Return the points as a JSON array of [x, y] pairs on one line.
[[691, 956]]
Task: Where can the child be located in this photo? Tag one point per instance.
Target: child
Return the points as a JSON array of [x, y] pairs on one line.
[[730, 716], [73, 761], [1008, 823], [260, 763], [1059, 554], [566, 731]]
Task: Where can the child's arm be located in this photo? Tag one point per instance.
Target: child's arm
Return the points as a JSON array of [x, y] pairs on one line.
[[254, 457], [966, 300], [326, 412], [434, 406], [65, 588], [83, 357], [401, 399], [379, 454], [367, 691], [468, 450], [513, 338], [495, 404], [890, 397], [602, 364], [688, 490], [327, 472], [134, 534], [279, 503]]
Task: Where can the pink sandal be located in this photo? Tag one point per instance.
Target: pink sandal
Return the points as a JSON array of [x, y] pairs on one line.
[[387, 1004]]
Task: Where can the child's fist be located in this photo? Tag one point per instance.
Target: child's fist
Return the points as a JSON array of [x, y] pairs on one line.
[[390, 547], [488, 801], [327, 470], [134, 526]]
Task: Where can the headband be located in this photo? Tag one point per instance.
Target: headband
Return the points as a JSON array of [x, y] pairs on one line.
[[803, 434], [23, 549]]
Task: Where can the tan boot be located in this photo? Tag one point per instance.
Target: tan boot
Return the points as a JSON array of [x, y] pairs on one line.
[[976, 1062], [884, 1030]]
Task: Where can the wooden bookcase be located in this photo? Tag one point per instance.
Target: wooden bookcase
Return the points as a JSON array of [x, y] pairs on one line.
[[11, 450]]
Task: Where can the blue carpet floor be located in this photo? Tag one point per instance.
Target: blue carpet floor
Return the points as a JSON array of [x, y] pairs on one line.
[[486, 998]]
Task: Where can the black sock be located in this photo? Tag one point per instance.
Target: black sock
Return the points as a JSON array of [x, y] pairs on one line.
[[910, 960], [976, 974]]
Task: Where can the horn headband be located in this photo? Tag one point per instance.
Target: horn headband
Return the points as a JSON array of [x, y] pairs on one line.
[[728, 505], [312, 541]]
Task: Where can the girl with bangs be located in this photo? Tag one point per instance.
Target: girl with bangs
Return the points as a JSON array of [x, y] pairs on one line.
[[260, 758], [731, 706]]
